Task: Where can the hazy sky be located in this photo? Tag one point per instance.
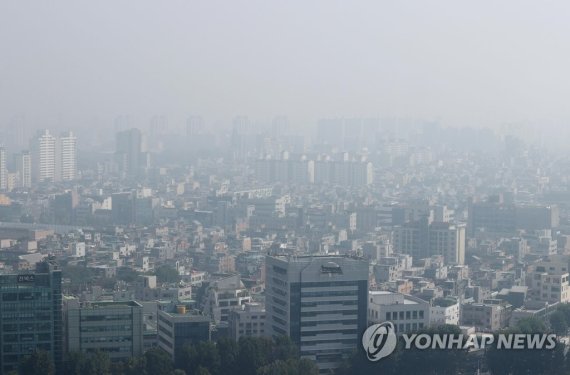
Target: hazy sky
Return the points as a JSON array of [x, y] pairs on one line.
[[475, 63]]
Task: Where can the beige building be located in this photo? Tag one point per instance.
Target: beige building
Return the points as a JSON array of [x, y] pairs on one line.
[[489, 316], [548, 280]]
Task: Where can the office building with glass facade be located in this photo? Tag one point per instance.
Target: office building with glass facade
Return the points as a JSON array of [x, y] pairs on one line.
[[31, 315]]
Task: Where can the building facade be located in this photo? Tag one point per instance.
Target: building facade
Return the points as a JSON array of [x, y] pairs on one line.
[[67, 153], [247, 321], [320, 302], [407, 313], [180, 327], [31, 315], [43, 156], [115, 328]]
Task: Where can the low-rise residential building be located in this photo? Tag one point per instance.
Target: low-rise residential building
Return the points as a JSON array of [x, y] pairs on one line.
[[407, 313], [247, 320], [444, 311], [489, 316]]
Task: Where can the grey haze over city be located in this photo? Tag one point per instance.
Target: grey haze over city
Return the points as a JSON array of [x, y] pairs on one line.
[[284, 187], [485, 64]]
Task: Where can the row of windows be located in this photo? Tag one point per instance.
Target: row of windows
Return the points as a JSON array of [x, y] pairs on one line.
[[318, 342], [323, 303], [165, 331], [327, 331], [329, 293], [314, 313], [249, 325], [250, 332], [278, 320], [111, 328], [25, 296], [164, 341], [324, 284], [318, 322], [91, 340], [166, 321], [279, 270], [401, 315], [15, 338], [26, 327], [25, 348], [407, 327], [9, 317], [99, 318]]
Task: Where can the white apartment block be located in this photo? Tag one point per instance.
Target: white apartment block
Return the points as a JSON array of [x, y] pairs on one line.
[[24, 165], [43, 156], [67, 155], [3, 170]]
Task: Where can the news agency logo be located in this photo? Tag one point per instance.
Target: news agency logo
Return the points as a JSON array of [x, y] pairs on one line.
[[380, 340]]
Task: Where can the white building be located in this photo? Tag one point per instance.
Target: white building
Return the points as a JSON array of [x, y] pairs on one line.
[[444, 311], [223, 296], [3, 170], [407, 313], [67, 155], [24, 165], [43, 156]]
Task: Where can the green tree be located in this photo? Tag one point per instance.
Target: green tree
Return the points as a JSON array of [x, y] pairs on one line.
[[558, 323], [132, 366], [202, 371], [525, 361], [253, 354], [530, 325], [307, 367], [157, 362], [229, 353], [96, 363], [284, 349], [289, 367], [39, 363], [72, 363], [203, 354], [167, 274]]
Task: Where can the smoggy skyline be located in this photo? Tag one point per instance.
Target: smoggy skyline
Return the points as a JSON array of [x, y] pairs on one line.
[[76, 64]]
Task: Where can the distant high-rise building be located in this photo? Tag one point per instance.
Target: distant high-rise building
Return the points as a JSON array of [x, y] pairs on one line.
[[320, 302], [31, 316], [24, 165], [194, 126], [3, 170], [123, 209], [67, 157], [129, 152], [43, 156], [240, 137], [424, 238]]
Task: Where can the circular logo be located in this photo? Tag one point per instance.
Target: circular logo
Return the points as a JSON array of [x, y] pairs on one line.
[[379, 341]]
